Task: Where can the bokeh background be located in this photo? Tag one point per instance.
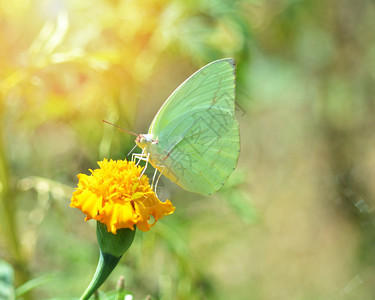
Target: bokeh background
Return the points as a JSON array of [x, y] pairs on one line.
[[296, 219]]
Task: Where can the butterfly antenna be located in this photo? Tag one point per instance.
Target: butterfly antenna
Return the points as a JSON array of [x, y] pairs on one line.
[[122, 129]]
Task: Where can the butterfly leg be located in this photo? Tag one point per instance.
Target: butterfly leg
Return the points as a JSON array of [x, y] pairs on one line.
[[139, 156], [145, 167], [154, 187], [153, 178], [157, 181], [131, 152]]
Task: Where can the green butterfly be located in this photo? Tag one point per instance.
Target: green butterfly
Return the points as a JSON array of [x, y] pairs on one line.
[[194, 138]]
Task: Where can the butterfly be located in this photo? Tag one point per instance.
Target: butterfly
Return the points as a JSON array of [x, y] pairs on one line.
[[194, 138]]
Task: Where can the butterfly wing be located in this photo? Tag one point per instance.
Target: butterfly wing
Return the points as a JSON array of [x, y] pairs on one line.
[[196, 130]]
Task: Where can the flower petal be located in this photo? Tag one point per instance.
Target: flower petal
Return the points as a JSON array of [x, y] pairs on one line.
[[118, 197]]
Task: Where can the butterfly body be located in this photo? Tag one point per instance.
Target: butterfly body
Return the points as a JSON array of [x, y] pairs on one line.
[[194, 138]]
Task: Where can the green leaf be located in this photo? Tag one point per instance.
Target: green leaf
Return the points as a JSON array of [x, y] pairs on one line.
[[6, 281], [33, 283]]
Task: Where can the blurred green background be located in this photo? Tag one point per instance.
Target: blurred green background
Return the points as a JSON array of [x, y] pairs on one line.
[[295, 220]]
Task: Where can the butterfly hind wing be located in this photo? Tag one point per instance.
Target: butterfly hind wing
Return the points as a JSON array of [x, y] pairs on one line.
[[197, 132], [204, 159]]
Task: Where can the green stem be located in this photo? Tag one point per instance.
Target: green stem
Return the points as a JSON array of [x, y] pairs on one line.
[[7, 205], [106, 264], [112, 247], [7, 216]]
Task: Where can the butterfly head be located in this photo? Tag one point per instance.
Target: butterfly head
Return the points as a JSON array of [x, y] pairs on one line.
[[143, 139]]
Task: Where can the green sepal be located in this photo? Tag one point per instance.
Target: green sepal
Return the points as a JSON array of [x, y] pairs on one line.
[[112, 247], [114, 244]]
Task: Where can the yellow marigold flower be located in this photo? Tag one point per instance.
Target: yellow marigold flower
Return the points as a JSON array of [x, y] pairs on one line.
[[118, 197]]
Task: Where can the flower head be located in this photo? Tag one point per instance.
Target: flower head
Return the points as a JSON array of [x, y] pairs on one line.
[[118, 196]]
